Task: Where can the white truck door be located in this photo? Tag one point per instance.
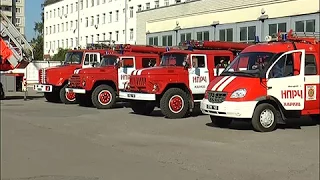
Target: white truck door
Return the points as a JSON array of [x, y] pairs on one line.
[[127, 65], [283, 84], [198, 74]]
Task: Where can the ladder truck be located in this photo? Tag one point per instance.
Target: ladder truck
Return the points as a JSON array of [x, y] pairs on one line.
[[15, 55]]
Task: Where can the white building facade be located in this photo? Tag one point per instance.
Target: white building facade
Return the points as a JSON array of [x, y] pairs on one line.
[[226, 20], [96, 20], [6, 7]]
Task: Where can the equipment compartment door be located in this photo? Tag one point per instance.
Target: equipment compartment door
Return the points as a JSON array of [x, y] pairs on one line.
[[198, 74], [127, 65], [285, 80]]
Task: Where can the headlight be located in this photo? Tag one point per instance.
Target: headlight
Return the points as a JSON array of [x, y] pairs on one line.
[[240, 93], [155, 87]]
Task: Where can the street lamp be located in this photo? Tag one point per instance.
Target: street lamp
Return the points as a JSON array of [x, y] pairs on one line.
[[176, 29]]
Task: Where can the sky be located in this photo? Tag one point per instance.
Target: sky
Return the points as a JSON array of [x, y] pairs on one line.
[[32, 14]]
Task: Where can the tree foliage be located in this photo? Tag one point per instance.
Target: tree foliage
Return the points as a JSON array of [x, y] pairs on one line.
[[60, 55], [37, 41]]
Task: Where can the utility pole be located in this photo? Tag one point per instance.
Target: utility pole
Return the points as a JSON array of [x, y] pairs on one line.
[[13, 11], [78, 41], [125, 20]]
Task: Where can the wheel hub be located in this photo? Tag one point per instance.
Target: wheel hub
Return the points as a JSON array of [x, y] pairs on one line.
[[266, 118], [104, 97], [176, 103], [71, 96]]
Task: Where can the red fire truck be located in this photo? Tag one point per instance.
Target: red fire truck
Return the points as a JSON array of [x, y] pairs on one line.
[[180, 80], [99, 85], [267, 83], [54, 80]]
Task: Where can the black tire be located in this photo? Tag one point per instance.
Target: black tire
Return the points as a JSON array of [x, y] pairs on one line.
[[142, 107], [65, 98], [84, 100], [52, 97], [103, 97], [181, 103], [221, 122], [259, 111], [315, 118]]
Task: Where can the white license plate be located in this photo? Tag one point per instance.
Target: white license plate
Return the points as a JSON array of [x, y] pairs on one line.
[[213, 107], [131, 95]]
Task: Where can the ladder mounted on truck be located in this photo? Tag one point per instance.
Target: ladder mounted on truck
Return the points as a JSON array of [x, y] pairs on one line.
[[305, 37], [214, 45], [141, 48], [21, 49]]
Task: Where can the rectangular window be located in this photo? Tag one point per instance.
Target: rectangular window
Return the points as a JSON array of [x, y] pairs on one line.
[[67, 26], [148, 62], [117, 35], [87, 22], [127, 62], [311, 25], [62, 27], [117, 15], [275, 28], [299, 26], [139, 8], [153, 41], [310, 65], [185, 37], [156, 4], [110, 17], [131, 12], [147, 6], [203, 36], [131, 34], [103, 18], [92, 21], [167, 40], [226, 34], [104, 36], [98, 19], [247, 33], [71, 8]]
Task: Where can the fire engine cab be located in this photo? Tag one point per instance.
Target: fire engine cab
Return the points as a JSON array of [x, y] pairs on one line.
[[54, 80], [267, 83], [99, 85], [180, 80]]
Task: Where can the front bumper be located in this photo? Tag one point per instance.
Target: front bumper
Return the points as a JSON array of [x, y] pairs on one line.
[[75, 90], [42, 88], [229, 109], [137, 96]]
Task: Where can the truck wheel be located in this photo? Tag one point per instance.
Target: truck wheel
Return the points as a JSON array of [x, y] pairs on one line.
[[221, 122], [103, 97], [67, 97], [264, 118], [84, 100], [315, 118], [141, 107], [174, 103]]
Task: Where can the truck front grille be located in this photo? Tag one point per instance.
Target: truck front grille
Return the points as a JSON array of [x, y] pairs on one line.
[[75, 81], [42, 76], [216, 97], [137, 81]]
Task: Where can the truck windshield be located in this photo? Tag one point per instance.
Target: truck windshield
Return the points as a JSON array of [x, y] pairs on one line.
[[108, 61], [73, 58], [173, 59], [249, 64]]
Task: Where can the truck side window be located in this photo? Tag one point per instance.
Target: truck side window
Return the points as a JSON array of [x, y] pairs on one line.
[[283, 68], [95, 58], [221, 60], [310, 65], [127, 62], [198, 61], [87, 60], [148, 62]]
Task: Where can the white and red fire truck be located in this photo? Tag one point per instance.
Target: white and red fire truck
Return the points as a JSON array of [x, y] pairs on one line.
[[267, 83], [180, 80]]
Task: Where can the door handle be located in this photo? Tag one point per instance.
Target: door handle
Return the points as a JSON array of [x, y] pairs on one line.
[[269, 87]]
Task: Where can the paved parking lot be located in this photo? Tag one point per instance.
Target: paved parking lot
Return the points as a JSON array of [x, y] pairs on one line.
[[47, 141]]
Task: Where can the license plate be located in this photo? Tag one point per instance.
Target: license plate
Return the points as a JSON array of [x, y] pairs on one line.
[[131, 95], [213, 107]]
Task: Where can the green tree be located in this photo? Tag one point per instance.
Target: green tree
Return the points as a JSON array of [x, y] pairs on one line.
[[60, 55], [38, 40]]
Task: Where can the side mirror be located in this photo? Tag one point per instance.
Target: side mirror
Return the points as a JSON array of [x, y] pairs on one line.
[[185, 64]]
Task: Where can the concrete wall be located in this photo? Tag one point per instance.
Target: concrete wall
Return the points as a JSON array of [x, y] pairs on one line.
[[227, 12]]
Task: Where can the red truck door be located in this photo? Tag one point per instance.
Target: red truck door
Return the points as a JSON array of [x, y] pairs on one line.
[[198, 74], [284, 84]]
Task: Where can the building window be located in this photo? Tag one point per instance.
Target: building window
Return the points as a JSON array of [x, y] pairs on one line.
[[87, 3], [62, 11], [131, 34], [139, 8], [62, 43], [247, 33], [62, 27], [110, 36], [117, 15], [104, 36], [92, 4], [178, 1], [153, 41], [46, 15], [46, 30], [185, 37], [67, 45], [71, 24], [50, 14], [275, 28], [67, 8], [131, 12], [167, 40], [147, 6], [156, 4], [54, 28], [59, 12], [67, 26], [92, 21], [50, 30], [226, 34], [58, 28], [18, 10], [117, 35], [81, 4], [71, 42], [91, 38], [98, 38], [203, 36], [103, 18], [305, 26], [77, 6], [71, 8], [87, 22], [110, 17], [76, 24], [166, 2], [98, 19], [98, 2], [103, 1], [87, 40]]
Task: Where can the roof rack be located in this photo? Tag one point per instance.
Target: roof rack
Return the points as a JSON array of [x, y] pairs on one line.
[[141, 48], [214, 45], [304, 37]]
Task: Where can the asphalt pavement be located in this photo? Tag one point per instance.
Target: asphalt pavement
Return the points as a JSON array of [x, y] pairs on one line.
[[46, 141]]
